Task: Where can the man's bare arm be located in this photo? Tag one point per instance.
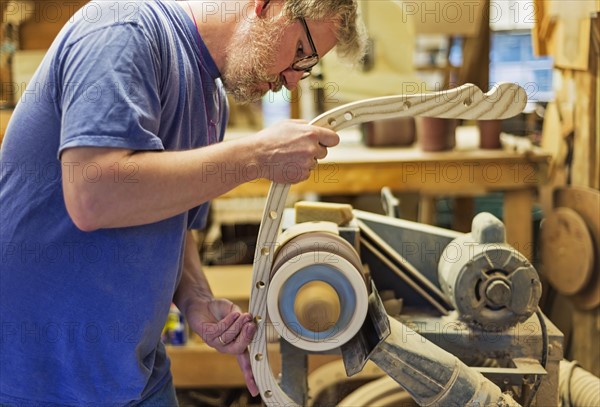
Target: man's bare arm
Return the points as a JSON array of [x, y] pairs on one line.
[[193, 285], [108, 188], [219, 322]]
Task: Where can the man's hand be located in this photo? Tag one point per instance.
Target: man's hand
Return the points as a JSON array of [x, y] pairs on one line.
[[222, 325], [288, 151]]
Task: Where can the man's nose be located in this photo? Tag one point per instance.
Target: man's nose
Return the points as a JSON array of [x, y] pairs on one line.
[[291, 78]]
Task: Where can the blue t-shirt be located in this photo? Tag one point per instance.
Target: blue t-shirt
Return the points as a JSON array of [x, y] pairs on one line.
[[81, 313]]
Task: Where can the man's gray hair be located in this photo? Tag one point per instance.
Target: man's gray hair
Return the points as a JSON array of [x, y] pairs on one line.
[[351, 32]]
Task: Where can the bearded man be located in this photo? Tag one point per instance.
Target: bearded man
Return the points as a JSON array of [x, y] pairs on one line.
[[108, 163]]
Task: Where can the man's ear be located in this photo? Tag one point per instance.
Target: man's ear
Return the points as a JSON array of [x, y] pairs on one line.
[[260, 7]]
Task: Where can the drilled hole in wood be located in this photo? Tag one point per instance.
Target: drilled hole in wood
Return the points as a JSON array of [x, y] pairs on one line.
[[273, 215], [332, 121], [260, 284], [265, 251], [268, 394], [348, 116], [468, 102], [258, 357]]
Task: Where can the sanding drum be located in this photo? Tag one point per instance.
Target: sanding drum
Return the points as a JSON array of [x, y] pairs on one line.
[[317, 298]]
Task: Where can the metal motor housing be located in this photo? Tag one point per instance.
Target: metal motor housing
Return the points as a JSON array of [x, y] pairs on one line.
[[489, 282]]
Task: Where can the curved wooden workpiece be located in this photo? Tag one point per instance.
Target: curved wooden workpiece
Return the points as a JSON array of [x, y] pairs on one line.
[[465, 102]]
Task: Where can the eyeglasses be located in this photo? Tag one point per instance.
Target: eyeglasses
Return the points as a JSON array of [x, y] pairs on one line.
[[306, 64]]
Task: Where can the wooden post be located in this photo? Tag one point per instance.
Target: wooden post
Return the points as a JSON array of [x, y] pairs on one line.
[[518, 220], [462, 214], [427, 210]]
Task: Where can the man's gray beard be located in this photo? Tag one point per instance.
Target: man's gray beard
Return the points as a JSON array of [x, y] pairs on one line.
[[252, 53]]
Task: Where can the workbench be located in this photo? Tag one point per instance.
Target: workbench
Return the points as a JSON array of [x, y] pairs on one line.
[[351, 168]]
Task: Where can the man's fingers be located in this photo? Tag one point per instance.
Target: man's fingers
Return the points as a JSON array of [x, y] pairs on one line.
[[220, 327], [321, 153], [236, 333], [244, 362], [328, 138], [241, 341], [213, 332]]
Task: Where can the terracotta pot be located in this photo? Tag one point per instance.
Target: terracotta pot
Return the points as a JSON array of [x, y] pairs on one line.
[[489, 134], [436, 134]]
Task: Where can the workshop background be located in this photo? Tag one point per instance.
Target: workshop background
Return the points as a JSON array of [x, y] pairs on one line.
[[547, 191]]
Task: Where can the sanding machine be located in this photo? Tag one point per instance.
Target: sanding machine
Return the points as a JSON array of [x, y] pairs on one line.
[[469, 331]]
